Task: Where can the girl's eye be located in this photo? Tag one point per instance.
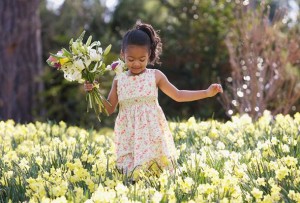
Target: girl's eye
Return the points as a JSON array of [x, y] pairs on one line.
[[142, 60]]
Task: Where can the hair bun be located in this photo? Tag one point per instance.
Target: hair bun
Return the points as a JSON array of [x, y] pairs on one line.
[[156, 45]]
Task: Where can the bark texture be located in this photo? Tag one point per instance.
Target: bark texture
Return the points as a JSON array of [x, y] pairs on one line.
[[20, 59]]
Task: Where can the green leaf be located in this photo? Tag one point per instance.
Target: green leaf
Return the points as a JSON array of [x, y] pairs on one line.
[[89, 41], [67, 53], [97, 65], [107, 50], [80, 38], [57, 56]]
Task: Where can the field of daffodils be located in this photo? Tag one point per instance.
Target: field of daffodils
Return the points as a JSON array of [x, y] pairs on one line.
[[240, 160]]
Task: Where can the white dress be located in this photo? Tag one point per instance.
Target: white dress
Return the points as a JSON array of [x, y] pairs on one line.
[[142, 134]]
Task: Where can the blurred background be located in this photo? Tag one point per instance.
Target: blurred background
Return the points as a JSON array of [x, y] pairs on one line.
[[250, 46]]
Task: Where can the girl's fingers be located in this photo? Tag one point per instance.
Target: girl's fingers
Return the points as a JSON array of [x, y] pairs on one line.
[[220, 88], [88, 86]]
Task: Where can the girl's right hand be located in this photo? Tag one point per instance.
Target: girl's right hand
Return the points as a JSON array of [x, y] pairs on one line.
[[88, 86], [214, 89]]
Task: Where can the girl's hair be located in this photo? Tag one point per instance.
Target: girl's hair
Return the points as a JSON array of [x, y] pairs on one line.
[[144, 35]]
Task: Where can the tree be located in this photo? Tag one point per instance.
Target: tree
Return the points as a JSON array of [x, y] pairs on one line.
[[20, 59], [265, 58]]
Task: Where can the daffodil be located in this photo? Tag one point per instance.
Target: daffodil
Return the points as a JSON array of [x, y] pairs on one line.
[[257, 194]]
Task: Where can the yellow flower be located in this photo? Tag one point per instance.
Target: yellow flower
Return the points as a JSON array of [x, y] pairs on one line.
[[285, 148], [183, 147], [110, 183], [24, 164], [294, 196], [60, 200], [187, 184], [268, 199], [79, 194], [257, 193], [157, 196], [205, 189], [282, 172], [9, 174], [91, 158], [191, 122], [274, 141], [290, 161], [171, 195], [275, 193], [84, 157], [220, 145], [62, 61], [90, 184], [224, 200], [163, 179], [261, 181], [39, 160], [121, 189], [206, 140], [103, 195], [240, 142], [214, 133]]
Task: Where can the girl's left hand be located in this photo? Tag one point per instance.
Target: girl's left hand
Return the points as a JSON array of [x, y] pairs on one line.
[[214, 89], [88, 86]]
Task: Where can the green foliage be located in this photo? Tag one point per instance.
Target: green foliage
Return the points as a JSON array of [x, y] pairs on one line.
[[194, 51], [194, 54], [63, 100]]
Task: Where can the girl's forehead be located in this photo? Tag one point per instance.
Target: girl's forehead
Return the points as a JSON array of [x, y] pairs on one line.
[[136, 50]]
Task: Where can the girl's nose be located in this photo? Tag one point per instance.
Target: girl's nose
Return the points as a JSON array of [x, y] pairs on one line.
[[136, 63]]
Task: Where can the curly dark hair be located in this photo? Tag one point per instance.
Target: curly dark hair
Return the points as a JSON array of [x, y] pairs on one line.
[[144, 34]]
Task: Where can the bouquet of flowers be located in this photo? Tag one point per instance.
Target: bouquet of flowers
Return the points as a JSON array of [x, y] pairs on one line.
[[85, 62]]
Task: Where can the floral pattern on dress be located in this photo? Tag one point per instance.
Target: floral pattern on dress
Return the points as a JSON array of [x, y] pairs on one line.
[[142, 134]]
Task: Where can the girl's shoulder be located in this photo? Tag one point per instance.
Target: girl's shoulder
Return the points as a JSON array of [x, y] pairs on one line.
[[158, 75], [154, 71]]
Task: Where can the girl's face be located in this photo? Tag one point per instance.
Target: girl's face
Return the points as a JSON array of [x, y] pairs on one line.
[[136, 58]]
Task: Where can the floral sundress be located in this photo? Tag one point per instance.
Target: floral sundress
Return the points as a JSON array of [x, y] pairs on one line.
[[142, 134]]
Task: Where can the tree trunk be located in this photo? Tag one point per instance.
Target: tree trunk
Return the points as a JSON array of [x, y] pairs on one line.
[[20, 59]]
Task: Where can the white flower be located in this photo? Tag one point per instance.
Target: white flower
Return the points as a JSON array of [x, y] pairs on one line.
[[95, 55], [72, 73], [100, 50], [157, 197], [220, 145], [87, 61], [79, 64]]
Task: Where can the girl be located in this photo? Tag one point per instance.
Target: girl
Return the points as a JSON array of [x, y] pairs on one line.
[[142, 135]]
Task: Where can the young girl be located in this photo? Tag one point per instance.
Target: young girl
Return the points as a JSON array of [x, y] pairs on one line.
[[142, 135]]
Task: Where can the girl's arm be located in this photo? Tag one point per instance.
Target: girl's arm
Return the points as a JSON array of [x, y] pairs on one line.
[[184, 95], [112, 96]]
